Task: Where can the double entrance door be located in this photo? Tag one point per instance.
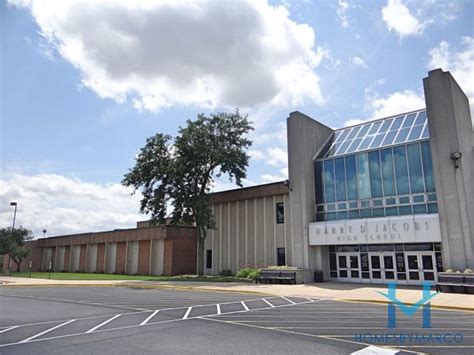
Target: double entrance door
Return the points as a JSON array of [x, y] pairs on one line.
[[421, 266], [409, 267]]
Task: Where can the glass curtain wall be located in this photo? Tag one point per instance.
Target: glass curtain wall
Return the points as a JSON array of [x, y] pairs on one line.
[[384, 182]]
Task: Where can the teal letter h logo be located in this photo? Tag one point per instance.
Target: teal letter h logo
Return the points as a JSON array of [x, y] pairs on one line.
[[409, 310]]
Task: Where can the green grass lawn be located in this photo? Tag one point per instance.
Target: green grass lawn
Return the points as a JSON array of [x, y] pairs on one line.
[[86, 276]]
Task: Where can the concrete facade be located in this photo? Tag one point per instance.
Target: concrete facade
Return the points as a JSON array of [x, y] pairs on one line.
[[451, 131], [306, 137], [247, 232]]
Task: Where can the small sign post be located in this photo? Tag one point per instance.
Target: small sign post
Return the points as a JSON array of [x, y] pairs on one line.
[[29, 268]]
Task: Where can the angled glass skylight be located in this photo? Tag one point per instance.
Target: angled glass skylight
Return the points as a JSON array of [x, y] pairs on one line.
[[376, 134]]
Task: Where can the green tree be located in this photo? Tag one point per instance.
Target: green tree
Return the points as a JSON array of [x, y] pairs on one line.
[[178, 175], [12, 243]]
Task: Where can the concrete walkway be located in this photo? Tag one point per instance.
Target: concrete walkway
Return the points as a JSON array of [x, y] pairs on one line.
[[330, 290]]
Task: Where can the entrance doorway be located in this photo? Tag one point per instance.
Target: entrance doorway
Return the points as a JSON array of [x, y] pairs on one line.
[[382, 267], [421, 267], [348, 265]]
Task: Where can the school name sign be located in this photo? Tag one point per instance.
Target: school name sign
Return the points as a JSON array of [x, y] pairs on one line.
[[397, 229]]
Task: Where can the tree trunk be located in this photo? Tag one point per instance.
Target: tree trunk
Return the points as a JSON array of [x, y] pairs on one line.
[[18, 265], [200, 269], [202, 232]]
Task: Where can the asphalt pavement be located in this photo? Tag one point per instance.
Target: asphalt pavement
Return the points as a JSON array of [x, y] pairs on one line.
[[122, 320]]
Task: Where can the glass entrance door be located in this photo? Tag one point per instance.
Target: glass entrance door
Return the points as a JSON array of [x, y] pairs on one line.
[[421, 267], [348, 266], [382, 267]]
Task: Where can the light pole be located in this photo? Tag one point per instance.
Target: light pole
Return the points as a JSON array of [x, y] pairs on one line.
[[14, 204]]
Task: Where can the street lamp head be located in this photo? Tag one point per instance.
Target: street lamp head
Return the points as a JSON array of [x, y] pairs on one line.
[[13, 203], [45, 230]]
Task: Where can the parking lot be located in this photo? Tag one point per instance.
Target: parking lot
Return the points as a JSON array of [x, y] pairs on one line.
[[125, 320]]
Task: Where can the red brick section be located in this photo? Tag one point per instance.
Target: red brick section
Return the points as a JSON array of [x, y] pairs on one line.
[[144, 257], [67, 256], [168, 257], [82, 258], [175, 261], [120, 258], [184, 256], [100, 258]]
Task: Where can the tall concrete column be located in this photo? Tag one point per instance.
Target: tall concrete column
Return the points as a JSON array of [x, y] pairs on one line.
[[450, 126], [305, 139]]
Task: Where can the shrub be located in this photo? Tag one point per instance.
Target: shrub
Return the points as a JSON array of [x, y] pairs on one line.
[[226, 272], [468, 271], [244, 273], [449, 270], [254, 274]]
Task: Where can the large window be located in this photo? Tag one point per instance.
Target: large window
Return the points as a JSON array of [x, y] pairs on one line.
[[383, 182], [351, 175], [388, 175], [340, 173], [427, 166], [401, 170], [414, 166], [329, 180], [363, 177], [375, 177]]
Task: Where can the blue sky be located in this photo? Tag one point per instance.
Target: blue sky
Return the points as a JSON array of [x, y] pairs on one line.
[[83, 85]]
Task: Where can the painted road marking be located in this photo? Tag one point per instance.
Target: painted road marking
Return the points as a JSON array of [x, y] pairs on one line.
[[271, 305], [375, 350], [97, 329], [149, 317], [6, 330], [187, 313], [103, 323], [47, 331], [286, 299], [218, 306]]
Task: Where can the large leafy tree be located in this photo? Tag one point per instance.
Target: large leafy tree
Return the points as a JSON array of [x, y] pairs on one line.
[[176, 176], [12, 243]]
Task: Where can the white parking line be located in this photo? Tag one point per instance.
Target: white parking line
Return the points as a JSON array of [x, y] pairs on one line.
[[186, 316], [187, 313], [6, 330], [103, 323], [149, 317], [46, 331], [218, 308], [245, 306], [271, 305], [286, 299]]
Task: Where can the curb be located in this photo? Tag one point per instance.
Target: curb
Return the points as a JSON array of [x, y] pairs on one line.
[[446, 308], [193, 288], [141, 286]]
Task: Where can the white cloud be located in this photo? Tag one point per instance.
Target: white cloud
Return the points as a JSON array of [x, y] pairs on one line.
[[459, 60], [359, 61], [66, 205], [161, 53], [342, 13], [267, 178], [396, 103], [273, 156], [400, 20]]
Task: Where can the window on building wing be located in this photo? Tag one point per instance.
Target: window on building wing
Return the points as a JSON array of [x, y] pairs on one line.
[[280, 213]]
